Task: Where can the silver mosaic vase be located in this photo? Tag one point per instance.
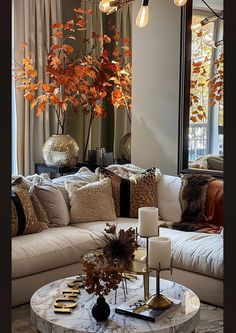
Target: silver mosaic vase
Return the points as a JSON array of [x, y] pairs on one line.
[[125, 147], [60, 150]]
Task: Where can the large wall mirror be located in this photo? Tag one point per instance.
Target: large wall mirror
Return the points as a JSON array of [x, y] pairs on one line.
[[201, 88]]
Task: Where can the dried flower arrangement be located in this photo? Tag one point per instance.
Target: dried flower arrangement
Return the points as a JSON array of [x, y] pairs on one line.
[[113, 255]]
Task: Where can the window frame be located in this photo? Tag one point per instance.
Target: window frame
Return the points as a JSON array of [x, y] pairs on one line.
[[184, 94]]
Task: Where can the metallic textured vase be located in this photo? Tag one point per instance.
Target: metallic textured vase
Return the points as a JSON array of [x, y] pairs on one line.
[[125, 147], [60, 150]]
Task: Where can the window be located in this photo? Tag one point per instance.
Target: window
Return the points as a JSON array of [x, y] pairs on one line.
[[206, 107]]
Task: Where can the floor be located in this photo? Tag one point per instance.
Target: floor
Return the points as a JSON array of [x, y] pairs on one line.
[[211, 320]]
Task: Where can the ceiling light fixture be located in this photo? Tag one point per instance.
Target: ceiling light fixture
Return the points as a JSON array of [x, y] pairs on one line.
[[110, 6], [180, 3], [142, 18]]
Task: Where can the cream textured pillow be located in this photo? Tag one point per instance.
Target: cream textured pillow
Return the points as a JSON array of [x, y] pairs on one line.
[[92, 202]]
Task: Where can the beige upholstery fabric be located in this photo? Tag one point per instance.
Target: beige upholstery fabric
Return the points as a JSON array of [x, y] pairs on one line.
[[53, 247], [196, 252], [24, 287], [207, 288], [92, 202], [168, 198], [99, 226], [54, 204]]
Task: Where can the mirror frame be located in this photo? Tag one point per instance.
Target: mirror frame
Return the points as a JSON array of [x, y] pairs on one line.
[[184, 93]]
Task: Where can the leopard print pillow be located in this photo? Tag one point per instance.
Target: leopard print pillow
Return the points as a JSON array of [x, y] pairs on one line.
[[24, 220], [129, 195]]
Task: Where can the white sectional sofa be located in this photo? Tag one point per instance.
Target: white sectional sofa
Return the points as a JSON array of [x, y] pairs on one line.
[[55, 253]]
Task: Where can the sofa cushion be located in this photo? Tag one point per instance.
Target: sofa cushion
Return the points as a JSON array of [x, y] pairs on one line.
[[53, 202], [168, 198], [99, 226], [196, 252], [91, 202], [24, 219], [52, 248], [140, 190]]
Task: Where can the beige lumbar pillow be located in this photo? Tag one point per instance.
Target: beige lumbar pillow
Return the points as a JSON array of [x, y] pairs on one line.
[[91, 202], [54, 204]]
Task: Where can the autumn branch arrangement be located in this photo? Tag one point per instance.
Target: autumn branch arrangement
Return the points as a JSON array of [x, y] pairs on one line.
[[79, 79]]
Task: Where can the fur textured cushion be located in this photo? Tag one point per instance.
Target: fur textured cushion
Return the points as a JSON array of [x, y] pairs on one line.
[[91, 202], [193, 195], [140, 190]]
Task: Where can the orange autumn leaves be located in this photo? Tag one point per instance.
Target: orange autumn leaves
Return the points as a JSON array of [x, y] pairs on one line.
[[201, 81], [82, 80]]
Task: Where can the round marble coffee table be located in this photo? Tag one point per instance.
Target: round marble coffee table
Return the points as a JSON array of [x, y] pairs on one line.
[[183, 320]]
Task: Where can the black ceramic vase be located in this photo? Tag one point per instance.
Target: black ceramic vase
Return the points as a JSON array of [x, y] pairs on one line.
[[101, 310]]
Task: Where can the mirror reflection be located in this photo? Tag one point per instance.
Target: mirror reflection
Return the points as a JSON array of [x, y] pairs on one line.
[[206, 123]]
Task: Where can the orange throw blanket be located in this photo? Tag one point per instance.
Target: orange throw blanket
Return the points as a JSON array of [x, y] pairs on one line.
[[214, 205]]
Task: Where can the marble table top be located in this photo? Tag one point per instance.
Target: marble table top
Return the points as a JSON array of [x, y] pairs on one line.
[[183, 320]]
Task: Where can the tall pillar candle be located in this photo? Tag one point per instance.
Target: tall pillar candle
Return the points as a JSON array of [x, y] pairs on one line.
[[159, 252], [148, 221]]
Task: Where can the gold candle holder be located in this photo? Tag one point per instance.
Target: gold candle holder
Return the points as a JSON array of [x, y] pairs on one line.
[[159, 301], [146, 271]]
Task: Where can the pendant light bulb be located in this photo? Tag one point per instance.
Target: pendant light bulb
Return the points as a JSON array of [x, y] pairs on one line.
[[142, 17], [180, 3], [104, 6]]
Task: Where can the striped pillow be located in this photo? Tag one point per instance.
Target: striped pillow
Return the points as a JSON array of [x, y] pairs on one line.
[[24, 220], [130, 194]]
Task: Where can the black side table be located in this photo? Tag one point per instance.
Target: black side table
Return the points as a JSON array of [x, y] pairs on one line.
[[53, 170]]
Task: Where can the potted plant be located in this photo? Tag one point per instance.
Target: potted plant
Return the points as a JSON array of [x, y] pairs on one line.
[[81, 80], [104, 266]]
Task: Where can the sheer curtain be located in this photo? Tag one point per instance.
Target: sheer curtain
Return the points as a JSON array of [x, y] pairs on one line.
[[32, 25]]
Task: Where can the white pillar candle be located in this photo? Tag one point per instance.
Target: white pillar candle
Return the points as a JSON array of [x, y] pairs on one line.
[[148, 221], [159, 252]]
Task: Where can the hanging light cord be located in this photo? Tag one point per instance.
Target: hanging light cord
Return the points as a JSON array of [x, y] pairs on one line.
[[216, 14]]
